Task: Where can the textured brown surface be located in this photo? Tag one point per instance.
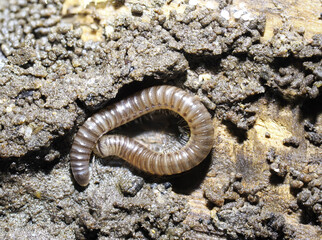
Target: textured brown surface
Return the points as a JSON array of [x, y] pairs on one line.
[[263, 178], [300, 14]]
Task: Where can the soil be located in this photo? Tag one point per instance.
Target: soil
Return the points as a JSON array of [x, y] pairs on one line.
[[60, 62]]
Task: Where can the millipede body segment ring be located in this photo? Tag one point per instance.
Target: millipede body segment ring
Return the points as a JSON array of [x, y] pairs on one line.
[[90, 135]]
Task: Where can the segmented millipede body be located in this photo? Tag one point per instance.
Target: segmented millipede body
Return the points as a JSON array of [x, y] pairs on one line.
[[154, 98]]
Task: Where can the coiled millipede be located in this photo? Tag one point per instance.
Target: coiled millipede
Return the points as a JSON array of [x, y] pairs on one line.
[[154, 98]]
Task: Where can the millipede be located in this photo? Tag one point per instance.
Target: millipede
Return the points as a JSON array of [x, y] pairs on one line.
[[90, 135]]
